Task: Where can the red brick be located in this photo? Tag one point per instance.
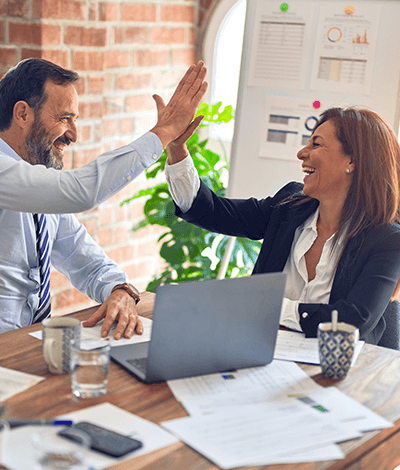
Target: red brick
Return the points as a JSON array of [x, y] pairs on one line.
[[139, 103], [178, 13], [81, 36], [58, 280], [129, 35], [105, 237], [106, 215], [68, 298], [136, 12], [8, 57], [87, 60], [136, 208], [138, 270], [112, 105], [167, 78], [84, 133], [80, 86], [59, 9], [147, 248], [149, 58], [1, 31], [16, 8], [183, 56], [126, 126], [95, 84], [164, 35], [58, 57], [113, 235], [133, 81], [120, 213], [92, 12], [116, 59], [107, 127], [90, 110], [121, 254], [192, 37], [108, 11], [34, 34]]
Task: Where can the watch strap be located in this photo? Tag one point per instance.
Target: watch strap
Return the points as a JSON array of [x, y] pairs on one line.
[[132, 291]]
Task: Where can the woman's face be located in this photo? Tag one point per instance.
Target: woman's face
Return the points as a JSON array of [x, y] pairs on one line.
[[328, 170]]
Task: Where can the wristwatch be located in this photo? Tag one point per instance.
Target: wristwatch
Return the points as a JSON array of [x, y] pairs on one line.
[[132, 291]]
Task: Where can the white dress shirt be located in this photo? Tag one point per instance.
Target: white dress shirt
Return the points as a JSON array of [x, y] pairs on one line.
[[26, 188], [184, 184], [35, 188]]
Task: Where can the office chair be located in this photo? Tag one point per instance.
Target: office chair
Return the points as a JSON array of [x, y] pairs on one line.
[[391, 336]]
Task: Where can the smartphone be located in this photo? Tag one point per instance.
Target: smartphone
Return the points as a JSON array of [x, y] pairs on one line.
[[103, 440]]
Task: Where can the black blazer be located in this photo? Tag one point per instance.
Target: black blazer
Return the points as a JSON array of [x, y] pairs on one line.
[[367, 272]]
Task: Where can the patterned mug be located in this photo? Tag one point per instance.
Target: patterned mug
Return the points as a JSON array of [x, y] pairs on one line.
[[336, 348], [57, 335]]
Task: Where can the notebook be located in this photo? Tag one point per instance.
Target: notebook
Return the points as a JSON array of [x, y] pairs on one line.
[[203, 327]]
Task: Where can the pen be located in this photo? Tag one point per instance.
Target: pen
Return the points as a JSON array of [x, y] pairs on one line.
[[39, 422]]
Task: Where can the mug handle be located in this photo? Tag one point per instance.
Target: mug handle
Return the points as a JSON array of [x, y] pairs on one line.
[[48, 350]]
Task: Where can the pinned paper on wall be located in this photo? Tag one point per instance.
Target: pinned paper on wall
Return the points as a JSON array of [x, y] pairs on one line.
[[281, 37], [288, 126], [345, 47]]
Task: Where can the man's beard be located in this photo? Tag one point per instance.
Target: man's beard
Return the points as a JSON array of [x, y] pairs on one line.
[[39, 147]]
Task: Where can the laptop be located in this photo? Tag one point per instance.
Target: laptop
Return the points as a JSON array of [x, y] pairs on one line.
[[204, 327]]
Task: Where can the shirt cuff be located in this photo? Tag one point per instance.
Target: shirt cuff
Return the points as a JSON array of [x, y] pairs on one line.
[[184, 182], [290, 314]]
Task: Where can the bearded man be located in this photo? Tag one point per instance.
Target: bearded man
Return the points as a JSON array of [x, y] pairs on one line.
[[39, 109]]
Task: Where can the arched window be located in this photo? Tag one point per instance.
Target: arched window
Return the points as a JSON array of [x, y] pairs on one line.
[[222, 48]]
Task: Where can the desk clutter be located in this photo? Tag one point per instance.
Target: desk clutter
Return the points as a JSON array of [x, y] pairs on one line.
[[257, 416]]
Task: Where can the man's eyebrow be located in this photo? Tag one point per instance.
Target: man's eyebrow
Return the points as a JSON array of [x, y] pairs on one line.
[[70, 115]]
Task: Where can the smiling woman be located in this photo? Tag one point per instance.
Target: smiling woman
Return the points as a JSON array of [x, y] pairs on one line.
[[337, 237]]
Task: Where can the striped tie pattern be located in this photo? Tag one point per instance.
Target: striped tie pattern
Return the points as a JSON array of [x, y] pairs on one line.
[[42, 244]]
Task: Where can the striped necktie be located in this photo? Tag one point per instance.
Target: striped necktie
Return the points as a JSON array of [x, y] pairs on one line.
[[42, 244]]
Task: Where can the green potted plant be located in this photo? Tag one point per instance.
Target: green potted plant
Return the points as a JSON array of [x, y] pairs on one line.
[[191, 253]]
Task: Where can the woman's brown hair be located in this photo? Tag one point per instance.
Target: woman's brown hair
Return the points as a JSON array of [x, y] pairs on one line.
[[373, 198]]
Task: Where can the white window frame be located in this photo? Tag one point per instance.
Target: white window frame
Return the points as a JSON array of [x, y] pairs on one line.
[[210, 37]]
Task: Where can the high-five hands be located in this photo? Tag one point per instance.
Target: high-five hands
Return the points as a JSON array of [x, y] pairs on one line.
[[176, 118]]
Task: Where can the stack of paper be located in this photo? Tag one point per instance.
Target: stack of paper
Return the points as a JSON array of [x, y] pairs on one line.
[[267, 415], [13, 382], [294, 346]]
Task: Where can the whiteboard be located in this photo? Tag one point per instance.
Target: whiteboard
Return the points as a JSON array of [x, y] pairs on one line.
[[252, 175]]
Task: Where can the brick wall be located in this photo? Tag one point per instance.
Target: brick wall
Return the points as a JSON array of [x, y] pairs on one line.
[[124, 52]]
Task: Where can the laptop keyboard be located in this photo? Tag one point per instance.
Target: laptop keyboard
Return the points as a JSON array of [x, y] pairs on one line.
[[139, 363]]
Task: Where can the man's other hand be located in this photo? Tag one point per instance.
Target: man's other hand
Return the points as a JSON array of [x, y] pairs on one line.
[[119, 306]]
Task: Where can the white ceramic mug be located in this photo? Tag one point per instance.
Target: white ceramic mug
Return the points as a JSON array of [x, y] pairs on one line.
[[57, 335]]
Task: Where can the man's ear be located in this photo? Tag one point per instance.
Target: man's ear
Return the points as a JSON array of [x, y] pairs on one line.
[[22, 114]]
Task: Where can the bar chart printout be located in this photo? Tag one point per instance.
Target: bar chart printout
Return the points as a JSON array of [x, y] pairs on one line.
[[345, 47], [288, 126], [279, 42]]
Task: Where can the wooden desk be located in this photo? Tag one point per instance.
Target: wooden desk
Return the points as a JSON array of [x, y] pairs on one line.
[[374, 381]]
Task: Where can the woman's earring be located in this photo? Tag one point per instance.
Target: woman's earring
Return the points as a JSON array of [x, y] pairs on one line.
[[348, 170]]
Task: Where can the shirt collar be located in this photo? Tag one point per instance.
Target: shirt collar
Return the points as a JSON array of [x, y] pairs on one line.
[[311, 224], [7, 150]]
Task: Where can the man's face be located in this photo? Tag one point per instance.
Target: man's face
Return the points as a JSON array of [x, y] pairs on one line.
[[54, 127]]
